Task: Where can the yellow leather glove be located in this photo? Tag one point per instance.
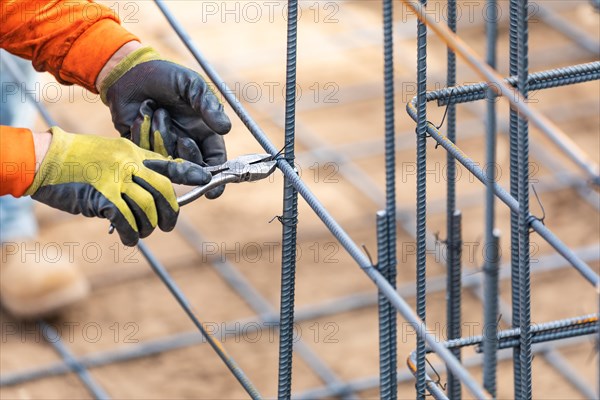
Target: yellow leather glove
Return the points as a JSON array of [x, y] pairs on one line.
[[113, 179]]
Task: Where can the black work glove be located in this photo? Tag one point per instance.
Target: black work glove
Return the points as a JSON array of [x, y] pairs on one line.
[[192, 121]]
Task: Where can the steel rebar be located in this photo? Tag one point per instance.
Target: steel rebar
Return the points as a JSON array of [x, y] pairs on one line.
[[385, 310], [364, 384], [390, 194], [453, 220], [552, 78], [421, 201], [491, 253], [490, 325], [525, 356], [454, 295], [290, 215], [514, 192]]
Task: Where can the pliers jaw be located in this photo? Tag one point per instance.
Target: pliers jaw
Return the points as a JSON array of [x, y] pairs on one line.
[[247, 168], [256, 172]]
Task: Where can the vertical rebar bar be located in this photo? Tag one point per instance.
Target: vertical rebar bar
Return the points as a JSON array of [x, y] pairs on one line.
[[453, 295], [421, 196], [390, 174], [490, 326], [384, 307], [290, 215], [514, 192], [525, 355], [491, 262], [453, 240]]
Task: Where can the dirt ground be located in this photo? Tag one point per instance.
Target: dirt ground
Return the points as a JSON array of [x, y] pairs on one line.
[[340, 156]]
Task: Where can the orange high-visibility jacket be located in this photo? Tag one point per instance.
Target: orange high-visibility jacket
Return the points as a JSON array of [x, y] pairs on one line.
[[71, 39]]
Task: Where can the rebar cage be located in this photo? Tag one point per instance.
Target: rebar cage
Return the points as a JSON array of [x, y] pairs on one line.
[[523, 335]]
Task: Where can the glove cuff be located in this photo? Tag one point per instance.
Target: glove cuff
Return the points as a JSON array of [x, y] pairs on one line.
[[51, 166], [136, 57]]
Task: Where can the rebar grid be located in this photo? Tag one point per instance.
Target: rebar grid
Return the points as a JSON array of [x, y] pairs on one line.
[[590, 326], [521, 221]]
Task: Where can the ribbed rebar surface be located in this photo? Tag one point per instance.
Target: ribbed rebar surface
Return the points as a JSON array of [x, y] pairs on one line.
[[564, 76], [514, 192], [385, 386], [290, 216], [390, 191], [525, 355], [491, 250], [453, 222], [421, 196]]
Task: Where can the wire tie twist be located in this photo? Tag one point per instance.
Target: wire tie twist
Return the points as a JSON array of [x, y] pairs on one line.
[[285, 221], [438, 380], [368, 254], [533, 217], [279, 154], [438, 127]]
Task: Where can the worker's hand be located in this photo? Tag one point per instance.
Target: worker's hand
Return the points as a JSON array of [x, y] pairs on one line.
[[113, 179], [193, 118]]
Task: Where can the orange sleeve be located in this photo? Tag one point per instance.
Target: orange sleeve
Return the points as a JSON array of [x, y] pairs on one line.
[[71, 39], [17, 160]]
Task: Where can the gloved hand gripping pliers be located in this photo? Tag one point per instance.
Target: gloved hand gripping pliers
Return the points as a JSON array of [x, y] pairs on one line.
[[247, 168]]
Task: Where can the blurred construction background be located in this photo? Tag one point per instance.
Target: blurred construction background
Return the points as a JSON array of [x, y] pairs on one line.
[[340, 131]]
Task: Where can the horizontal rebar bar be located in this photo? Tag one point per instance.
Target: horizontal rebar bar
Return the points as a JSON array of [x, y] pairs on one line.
[[364, 384], [536, 329], [587, 329], [537, 81], [586, 325]]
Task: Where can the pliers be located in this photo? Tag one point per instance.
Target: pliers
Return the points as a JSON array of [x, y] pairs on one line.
[[247, 168]]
